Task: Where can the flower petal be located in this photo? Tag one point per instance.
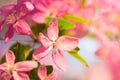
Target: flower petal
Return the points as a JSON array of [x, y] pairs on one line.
[[26, 66], [53, 30], [66, 43], [41, 5], [1, 24], [4, 75], [9, 34], [22, 27], [3, 66], [29, 5], [53, 75], [39, 17], [10, 57], [44, 40], [42, 72], [7, 9], [20, 76], [59, 59], [41, 52]]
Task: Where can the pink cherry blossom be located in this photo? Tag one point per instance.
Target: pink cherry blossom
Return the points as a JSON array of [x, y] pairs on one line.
[[58, 44], [14, 18], [42, 74], [45, 8], [18, 70]]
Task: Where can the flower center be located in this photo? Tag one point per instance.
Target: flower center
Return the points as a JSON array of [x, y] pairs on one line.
[[11, 18], [10, 68], [52, 12], [54, 43], [46, 78]]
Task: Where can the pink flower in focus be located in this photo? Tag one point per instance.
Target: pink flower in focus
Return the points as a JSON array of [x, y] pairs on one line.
[[18, 70], [45, 8], [42, 74], [58, 44]]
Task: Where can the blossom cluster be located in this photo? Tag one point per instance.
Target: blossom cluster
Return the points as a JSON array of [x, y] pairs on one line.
[[56, 26]]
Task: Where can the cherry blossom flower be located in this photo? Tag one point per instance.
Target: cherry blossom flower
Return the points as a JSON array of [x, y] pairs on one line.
[[58, 44], [18, 70], [45, 8], [14, 18], [42, 74]]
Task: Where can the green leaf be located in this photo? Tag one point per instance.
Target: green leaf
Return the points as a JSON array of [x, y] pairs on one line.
[[29, 57], [2, 60], [74, 53], [33, 73], [37, 28], [75, 18], [90, 35], [49, 69], [62, 23], [21, 51], [64, 32]]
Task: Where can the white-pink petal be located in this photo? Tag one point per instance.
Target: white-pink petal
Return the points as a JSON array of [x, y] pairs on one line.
[[10, 57], [4, 75], [3, 66], [44, 40], [39, 17], [41, 52], [66, 43], [53, 30], [25, 66], [20, 76], [59, 59], [42, 72]]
